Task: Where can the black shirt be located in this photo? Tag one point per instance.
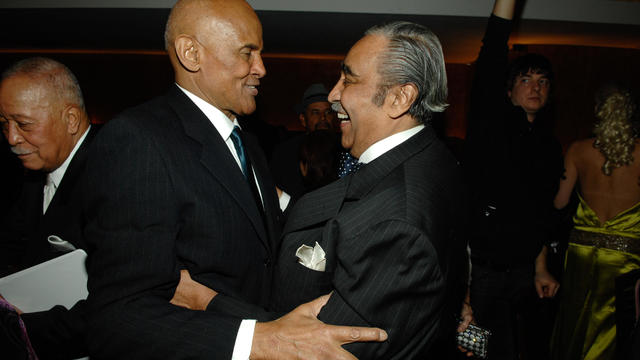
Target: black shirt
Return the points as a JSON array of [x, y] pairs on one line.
[[513, 166]]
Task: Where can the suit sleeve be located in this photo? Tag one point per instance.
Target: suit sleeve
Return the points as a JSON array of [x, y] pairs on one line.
[[57, 333], [133, 225], [242, 309], [389, 277]]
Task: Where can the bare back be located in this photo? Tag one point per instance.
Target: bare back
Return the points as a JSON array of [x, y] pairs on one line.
[[606, 195]]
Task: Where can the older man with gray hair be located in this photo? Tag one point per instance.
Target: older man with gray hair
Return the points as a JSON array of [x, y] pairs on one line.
[[43, 118], [385, 238]]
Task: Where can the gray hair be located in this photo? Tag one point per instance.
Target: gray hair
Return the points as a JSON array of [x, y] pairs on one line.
[[56, 76], [413, 56]]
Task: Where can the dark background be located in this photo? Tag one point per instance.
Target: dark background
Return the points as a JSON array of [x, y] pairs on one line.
[[118, 57]]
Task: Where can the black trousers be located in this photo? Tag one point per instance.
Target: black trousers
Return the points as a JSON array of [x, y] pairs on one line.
[[504, 300]]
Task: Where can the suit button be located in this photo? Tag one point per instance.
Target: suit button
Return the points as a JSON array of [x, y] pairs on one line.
[[267, 262]]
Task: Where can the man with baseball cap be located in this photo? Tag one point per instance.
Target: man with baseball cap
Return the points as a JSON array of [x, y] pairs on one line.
[[314, 111]]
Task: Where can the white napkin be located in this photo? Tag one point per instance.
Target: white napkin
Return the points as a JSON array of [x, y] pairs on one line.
[[311, 257], [60, 245]]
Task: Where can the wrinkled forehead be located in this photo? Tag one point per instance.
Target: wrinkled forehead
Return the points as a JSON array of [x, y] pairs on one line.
[[363, 57], [22, 89]]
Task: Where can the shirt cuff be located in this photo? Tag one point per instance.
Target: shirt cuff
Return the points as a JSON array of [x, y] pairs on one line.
[[244, 340], [284, 200]]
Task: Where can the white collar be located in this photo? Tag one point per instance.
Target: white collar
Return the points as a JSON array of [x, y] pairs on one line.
[[56, 175], [382, 146], [220, 121]]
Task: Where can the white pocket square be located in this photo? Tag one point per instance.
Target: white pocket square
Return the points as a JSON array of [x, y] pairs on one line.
[[57, 244], [311, 257]]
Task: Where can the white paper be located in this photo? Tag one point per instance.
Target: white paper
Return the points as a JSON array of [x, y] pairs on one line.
[[59, 281]]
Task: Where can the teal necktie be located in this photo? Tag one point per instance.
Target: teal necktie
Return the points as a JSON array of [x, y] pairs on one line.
[[237, 143], [245, 163]]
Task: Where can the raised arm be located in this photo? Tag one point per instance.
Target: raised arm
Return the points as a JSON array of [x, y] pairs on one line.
[[504, 8], [488, 89]]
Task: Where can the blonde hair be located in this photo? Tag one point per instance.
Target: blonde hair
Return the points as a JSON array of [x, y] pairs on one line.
[[614, 132]]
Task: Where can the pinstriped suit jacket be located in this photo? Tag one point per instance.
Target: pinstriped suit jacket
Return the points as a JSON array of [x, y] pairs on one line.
[[390, 233], [163, 193]]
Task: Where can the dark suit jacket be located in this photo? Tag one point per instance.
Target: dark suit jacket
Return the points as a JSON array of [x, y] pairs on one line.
[[391, 235], [57, 333], [165, 193], [23, 237]]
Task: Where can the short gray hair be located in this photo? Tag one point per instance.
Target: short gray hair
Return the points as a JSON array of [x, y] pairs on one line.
[[57, 77], [413, 56]]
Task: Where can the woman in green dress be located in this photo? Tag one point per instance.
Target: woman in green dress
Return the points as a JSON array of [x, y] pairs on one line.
[[605, 240]]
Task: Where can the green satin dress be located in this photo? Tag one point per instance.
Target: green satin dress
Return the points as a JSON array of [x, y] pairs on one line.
[[585, 327]]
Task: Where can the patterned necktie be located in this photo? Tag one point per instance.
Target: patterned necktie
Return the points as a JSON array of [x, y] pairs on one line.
[[347, 164], [245, 163]]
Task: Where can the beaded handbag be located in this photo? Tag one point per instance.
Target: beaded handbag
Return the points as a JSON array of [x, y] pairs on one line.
[[474, 339]]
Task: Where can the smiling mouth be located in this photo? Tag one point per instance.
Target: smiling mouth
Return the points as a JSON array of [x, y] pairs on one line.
[[253, 89], [20, 152], [342, 115], [344, 118]]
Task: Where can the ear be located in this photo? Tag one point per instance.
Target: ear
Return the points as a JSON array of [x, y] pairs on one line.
[[72, 117], [399, 99], [303, 120], [187, 52]]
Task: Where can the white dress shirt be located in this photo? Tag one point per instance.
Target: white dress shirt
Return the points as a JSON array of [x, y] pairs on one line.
[[224, 126], [382, 146], [55, 177]]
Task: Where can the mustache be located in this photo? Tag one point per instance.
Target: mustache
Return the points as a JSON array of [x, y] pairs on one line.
[[337, 107], [19, 151]]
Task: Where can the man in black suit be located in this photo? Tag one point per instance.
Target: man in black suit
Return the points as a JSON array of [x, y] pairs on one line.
[[391, 231], [177, 187], [45, 122]]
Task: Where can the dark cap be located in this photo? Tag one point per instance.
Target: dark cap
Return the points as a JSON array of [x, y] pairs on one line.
[[314, 93]]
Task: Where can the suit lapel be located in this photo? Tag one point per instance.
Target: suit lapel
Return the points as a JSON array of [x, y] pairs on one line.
[[267, 187], [74, 171], [33, 197], [323, 204], [317, 206], [369, 175], [217, 158]]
